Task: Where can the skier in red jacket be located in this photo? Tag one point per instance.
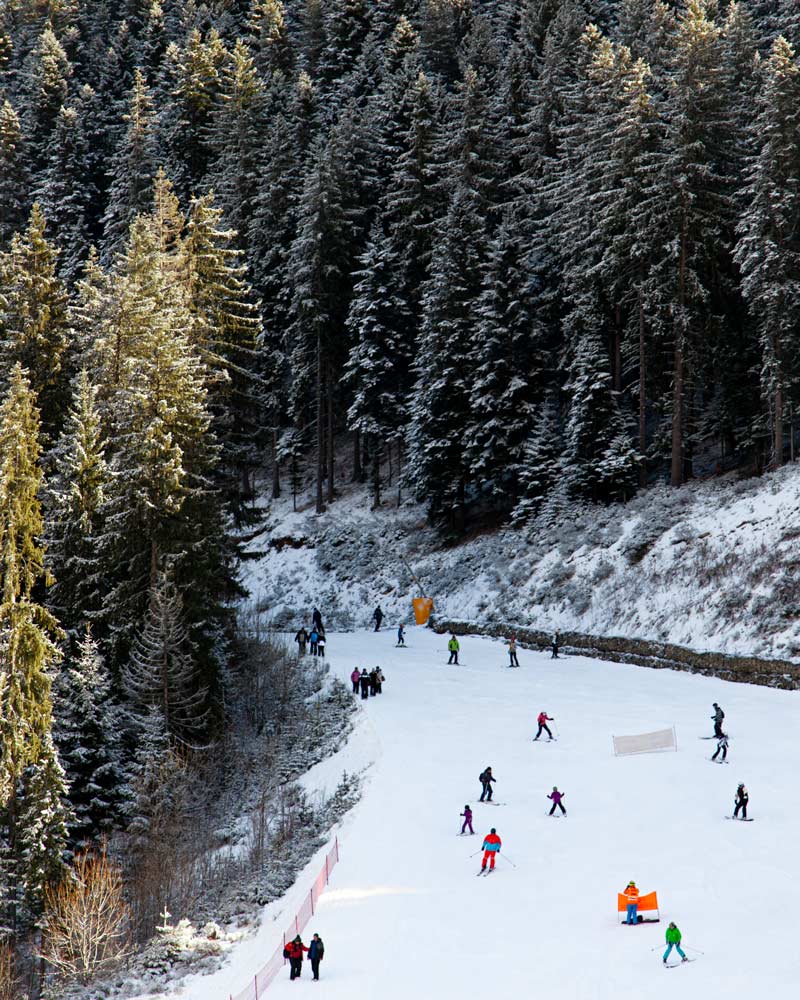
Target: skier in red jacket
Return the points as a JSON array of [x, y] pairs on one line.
[[543, 719], [294, 952], [491, 847]]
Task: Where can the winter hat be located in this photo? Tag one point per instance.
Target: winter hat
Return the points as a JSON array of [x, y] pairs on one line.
[[632, 883], [298, 938], [555, 788]]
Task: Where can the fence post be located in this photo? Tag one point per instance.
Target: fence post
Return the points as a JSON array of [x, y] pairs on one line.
[[284, 948], [337, 849], [296, 930], [255, 985], [311, 896], [326, 869]]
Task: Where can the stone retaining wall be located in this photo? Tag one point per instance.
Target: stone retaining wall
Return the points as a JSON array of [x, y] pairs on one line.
[[746, 669]]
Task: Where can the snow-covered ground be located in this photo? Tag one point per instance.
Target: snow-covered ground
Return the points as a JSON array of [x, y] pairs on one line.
[[713, 566], [405, 915]]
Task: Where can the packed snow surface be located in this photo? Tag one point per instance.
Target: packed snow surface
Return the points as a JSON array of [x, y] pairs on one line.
[[405, 915]]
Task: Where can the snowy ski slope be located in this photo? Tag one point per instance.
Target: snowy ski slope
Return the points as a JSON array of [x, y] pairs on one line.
[[405, 915]]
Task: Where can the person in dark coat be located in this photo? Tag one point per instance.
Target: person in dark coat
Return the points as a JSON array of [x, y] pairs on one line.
[[316, 951], [373, 682], [742, 798], [316, 620], [301, 639], [294, 952], [486, 779], [718, 716], [377, 617], [364, 684], [556, 640]]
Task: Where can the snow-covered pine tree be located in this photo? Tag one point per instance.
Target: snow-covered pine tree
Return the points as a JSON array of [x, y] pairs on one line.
[[541, 465], [768, 250], [88, 733], [14, 174], [270, 40], [46, 87], [34, 330]]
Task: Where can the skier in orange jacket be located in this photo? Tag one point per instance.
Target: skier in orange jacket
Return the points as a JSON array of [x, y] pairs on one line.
[[491, 847], [632, 894]]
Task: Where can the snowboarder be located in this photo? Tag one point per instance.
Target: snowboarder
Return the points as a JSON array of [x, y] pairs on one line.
[[364, 682], [316, 620], [321, 645], [355, 677], [377, 617], [401, 635], [301, 639], [554, 645], [556, 798], [486, 779], [313, 639], [491, 847], [722, 747], [467, 814], [543, 718], [633, 902], [718, 716], [673, 937], [512, 652], [742, 798], [454, 647], [294, 952], [316, 951]]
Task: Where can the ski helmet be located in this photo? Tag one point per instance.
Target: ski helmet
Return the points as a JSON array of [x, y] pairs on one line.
[[493, 830], [555, 788]]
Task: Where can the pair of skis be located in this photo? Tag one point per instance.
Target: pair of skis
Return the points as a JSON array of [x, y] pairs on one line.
[[485, 871]]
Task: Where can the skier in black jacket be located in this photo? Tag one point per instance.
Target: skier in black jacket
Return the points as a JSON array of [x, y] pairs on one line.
[[364, 684], [718, 716], [316, 951], [486, 779]]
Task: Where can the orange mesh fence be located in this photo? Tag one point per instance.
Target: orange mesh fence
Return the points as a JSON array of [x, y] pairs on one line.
[[257, 987], [646, 902]]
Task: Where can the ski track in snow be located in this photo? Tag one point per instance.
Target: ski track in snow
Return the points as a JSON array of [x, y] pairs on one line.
[[405, 916]]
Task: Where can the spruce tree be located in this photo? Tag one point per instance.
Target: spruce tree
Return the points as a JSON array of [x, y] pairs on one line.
[[14, 175], [47, 86]]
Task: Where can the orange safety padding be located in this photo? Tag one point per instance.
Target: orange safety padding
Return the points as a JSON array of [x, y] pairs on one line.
[[422, 609], [647, 902]]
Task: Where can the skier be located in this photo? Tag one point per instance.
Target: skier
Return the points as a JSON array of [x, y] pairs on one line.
[[355, 677], [543, 718], [512, 652], [313, 639], [321, 645], [556, 798], [673, 937], [722, 746], [633, 902], [364, 682], [742, 798], [467, 814], [401, 635], [301, 639], [454, 647], [377, 617], [294, 952], [316, 951], [486, 779], [718, 716], [491, 846], [554, 645], [316, 620]]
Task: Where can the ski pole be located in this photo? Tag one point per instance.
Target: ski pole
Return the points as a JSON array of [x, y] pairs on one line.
[[694, 949], [477, 852], [506, 858], [555, 726]]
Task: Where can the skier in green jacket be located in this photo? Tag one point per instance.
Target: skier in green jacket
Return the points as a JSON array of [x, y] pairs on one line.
[[454, 647], [674, 941]]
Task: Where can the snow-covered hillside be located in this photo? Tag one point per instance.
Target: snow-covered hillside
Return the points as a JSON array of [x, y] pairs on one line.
[[713, 565], [405, 915]]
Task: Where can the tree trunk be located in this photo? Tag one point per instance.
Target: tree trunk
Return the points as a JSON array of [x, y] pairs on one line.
[[460, 514], [276, 472], [320, 430], [676, 470], [376, 470], [331, 454], [357, 473], [777, 439], [617, 361], [399, 471], [642, 409]]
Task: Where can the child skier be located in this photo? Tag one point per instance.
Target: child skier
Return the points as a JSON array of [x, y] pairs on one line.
[[722, 747], [454, 647], [512, 652], [355, 677], [673, 937], [556, 798], [742, 798], [467, 814], [543, 718], [401, 635], [486, 779], [491, 847]]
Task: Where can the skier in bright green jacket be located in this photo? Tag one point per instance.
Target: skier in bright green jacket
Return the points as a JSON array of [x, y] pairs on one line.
[[454, 647], [674, 941]]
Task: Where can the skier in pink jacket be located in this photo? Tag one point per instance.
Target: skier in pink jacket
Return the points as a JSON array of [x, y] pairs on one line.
[[355, 677]]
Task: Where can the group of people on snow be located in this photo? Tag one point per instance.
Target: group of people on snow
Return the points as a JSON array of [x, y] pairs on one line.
[[295, 950], [367, 683], [314, 639]]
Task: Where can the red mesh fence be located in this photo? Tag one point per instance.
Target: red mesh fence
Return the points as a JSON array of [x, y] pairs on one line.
[[257, 987]]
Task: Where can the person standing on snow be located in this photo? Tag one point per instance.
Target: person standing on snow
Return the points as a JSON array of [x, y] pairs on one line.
[[321, 645], [467, 814], [722, 746], [673, 937], [486, 779], [301, 639], [364, 682], [355, 677], [543, 718], [556, 798], [491, 847], [313, 639], [742, 798], [554, 645], [633, 902], [718, 716], [316, 620], [316, 951], [379, 679], [454, 647], [401, 635], [377, 617], [512, 652], [294, 952]]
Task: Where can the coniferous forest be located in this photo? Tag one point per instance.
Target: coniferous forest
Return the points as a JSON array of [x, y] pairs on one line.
[[529, 252]]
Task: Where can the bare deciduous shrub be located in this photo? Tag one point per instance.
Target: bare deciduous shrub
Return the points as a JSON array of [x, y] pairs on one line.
[[87, 921]]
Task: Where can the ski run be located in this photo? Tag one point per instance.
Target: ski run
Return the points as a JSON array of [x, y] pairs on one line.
[[404, 916]]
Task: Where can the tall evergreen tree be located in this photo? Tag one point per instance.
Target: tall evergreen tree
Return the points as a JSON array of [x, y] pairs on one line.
[[14, 175]]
